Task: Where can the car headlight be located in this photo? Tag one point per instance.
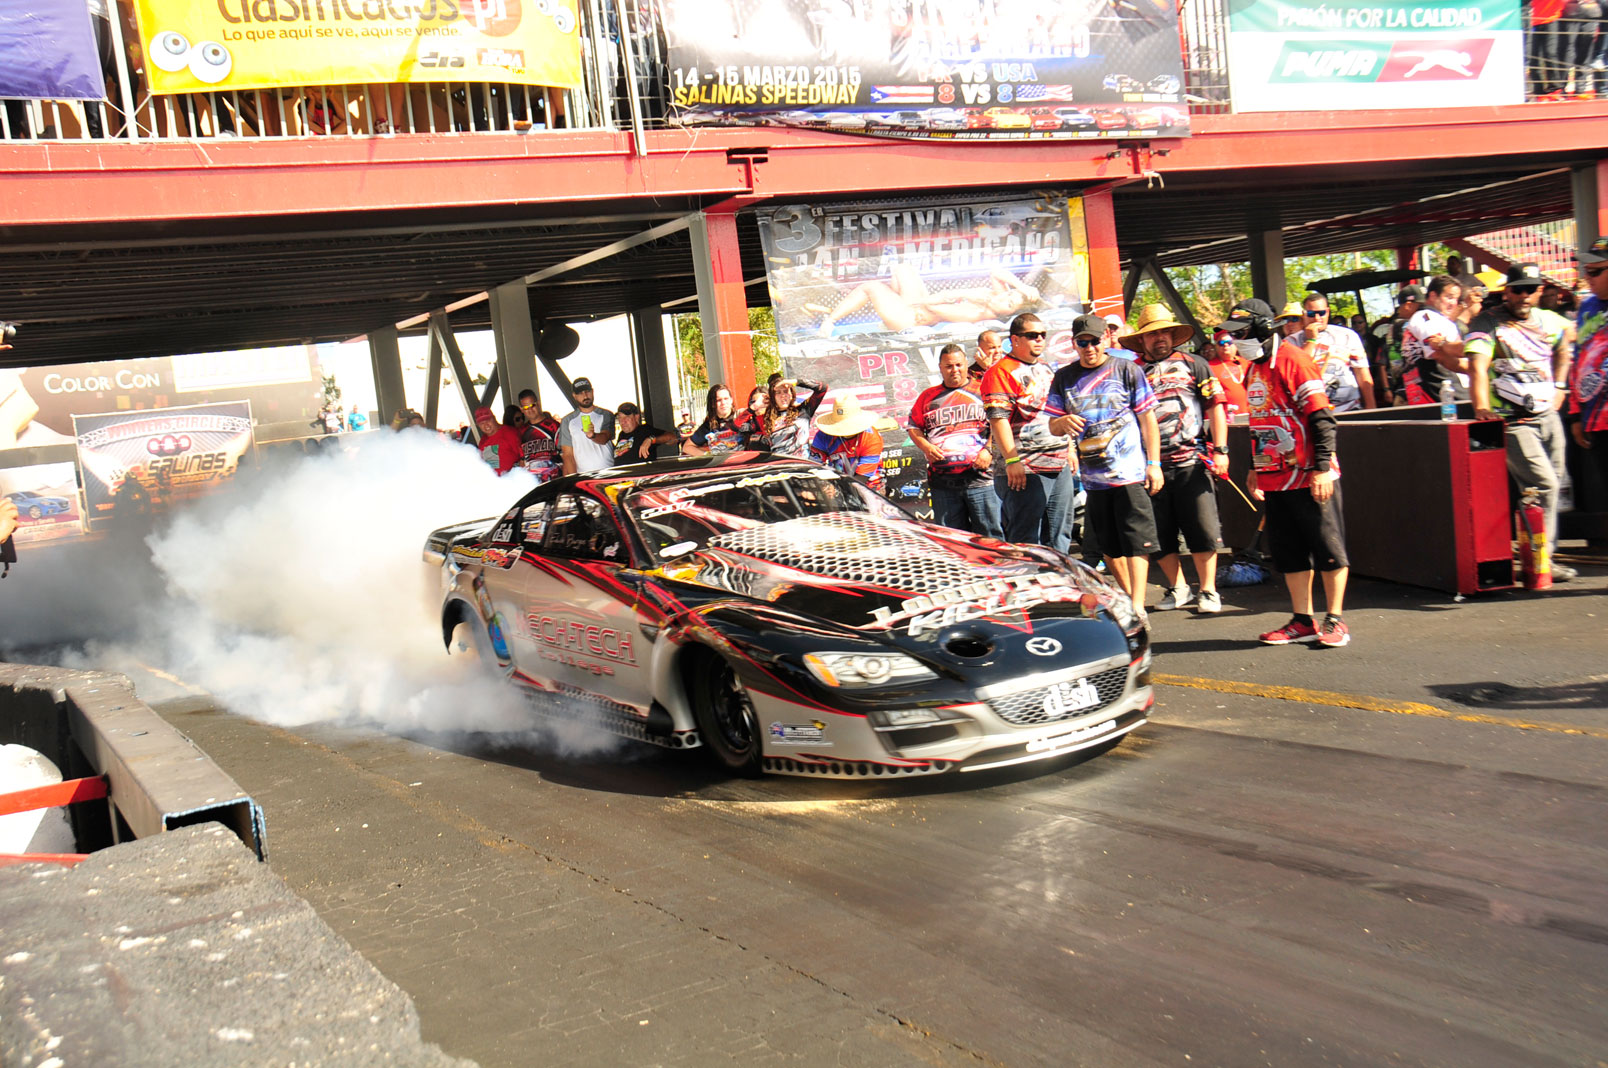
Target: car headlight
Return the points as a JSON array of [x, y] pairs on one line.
[[853, 670]]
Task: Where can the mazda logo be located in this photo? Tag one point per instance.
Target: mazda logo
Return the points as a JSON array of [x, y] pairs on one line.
[[1043, 646]]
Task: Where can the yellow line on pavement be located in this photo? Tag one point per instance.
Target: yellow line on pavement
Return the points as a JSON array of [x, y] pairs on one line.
[[1369, 704]]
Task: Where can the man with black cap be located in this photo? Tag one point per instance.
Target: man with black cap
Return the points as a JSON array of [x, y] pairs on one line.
[[1193, 433], [638, 442], [1519, 371], [1294, 472], [1108, 407], [1385, 339], [586, 435]]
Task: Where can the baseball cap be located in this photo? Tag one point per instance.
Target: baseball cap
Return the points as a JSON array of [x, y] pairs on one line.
[[1245, 312], [1092, 325], [1596, 252], [628, 408], [1412, 293], [1117, 321], [580, 385], [484, 413], [1524, 276]]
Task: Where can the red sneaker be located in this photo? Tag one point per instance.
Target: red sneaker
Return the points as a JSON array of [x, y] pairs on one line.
[[1333, 633], [1293, 631]]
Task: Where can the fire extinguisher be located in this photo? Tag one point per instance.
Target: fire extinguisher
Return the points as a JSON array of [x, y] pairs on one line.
[[1534, 563]]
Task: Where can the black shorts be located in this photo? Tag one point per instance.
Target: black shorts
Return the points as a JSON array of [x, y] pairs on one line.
[[1187, 504], [1302, 534], [1123, 522]]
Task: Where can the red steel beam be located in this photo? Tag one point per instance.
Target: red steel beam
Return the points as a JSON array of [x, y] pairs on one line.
[[89, 182], [730, 305], [53, 795], [1105, 260]]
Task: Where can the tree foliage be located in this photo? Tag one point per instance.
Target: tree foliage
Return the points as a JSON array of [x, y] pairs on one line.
[[1211, 290], [690, 345]]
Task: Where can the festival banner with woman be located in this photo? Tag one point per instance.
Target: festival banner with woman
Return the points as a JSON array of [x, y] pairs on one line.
[[866, 294]]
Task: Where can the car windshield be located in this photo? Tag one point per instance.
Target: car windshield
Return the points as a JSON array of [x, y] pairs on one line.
[[676, 518]]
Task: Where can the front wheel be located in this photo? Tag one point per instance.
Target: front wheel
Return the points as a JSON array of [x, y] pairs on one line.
[[727, 720], [36, 512]]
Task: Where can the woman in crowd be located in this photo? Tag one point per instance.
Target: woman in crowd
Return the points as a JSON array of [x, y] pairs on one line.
[[720, 431], [787, 424], [753, 416]]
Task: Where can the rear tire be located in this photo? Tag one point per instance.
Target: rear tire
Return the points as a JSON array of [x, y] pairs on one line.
[[727, 720], [470, 644]]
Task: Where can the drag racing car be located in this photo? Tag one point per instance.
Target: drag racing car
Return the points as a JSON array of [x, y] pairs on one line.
[[788, 619]]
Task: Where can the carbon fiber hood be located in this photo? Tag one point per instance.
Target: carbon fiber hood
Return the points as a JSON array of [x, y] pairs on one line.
[[865, 571]]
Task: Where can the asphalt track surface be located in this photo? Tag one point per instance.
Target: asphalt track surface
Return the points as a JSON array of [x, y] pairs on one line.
[[1389, 854]]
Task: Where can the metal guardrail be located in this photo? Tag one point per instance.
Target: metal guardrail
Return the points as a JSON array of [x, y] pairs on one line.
[[91, 723], [624, 85]]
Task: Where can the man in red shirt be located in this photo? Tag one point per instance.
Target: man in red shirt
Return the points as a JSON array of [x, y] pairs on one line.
[[1229, 368], [1294, 473], [950, 428], [539, 439], [499, 445]]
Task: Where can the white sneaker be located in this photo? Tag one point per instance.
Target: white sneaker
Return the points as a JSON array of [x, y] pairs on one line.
[[1176, 598], [1210, 602]]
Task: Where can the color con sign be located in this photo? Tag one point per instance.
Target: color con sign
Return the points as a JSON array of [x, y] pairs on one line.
[[1300, 56]]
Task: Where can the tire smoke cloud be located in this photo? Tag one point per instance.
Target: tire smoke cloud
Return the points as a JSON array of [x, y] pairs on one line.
[[298, 595]]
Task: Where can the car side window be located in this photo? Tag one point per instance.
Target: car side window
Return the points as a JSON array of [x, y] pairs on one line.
[[535, 522], [504, 532], [580, 527]]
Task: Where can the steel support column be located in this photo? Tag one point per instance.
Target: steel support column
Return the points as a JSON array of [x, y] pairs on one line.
[[385, 357], [1106, 292], [653, 367], [516, 340], [1267, 265], [717, 264], [1175, 300], [1590, 183], [432, 390], [442, 331]]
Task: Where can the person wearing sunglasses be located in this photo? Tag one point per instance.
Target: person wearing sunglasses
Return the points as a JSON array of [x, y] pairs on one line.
[[1109, 408], [1588, 379], [538, 437], [1518, 370], [1339, 354], [1031, 475], [1193, 432]]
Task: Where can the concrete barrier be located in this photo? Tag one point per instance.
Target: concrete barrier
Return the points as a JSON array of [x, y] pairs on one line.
[[91, 723], [182, 949]]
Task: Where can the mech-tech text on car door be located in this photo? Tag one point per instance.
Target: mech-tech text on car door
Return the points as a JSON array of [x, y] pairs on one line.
[[580, 619]]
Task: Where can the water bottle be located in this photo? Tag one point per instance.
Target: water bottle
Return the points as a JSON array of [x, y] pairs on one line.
[[1448, 400]]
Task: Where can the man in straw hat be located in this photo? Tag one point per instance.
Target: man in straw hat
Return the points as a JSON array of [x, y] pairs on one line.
[[847, 441], [1193, 432], [1107, 405]]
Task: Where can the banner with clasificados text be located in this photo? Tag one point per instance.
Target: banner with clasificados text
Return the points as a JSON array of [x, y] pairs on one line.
[[867, 294], [939, 69], [1351, 55], [201, 45]]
